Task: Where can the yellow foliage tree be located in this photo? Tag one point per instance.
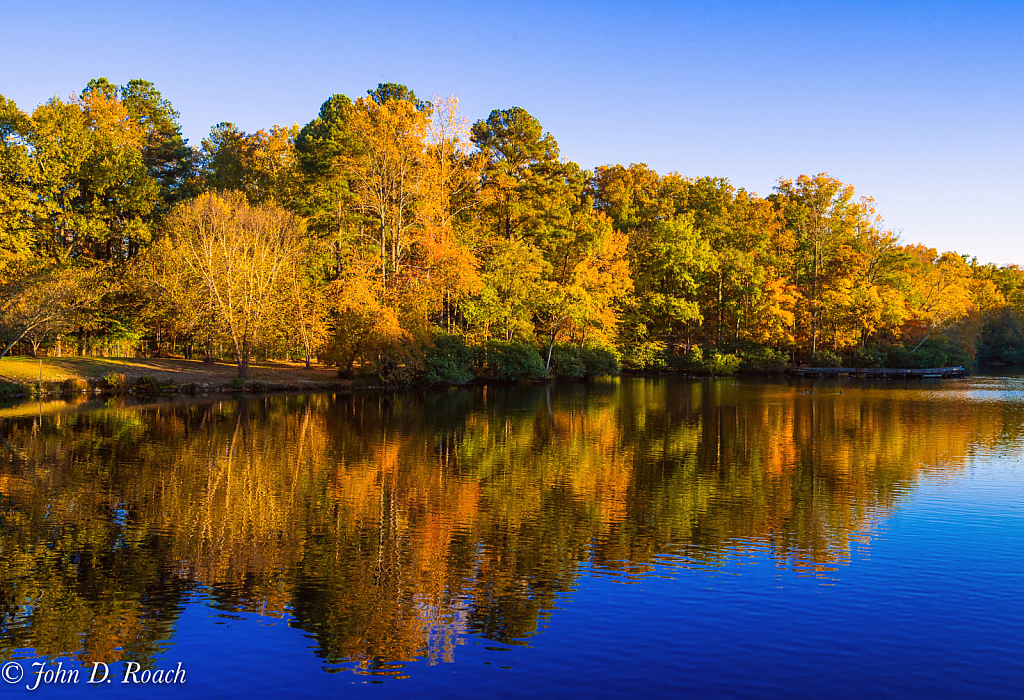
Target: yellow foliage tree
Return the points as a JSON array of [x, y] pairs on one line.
[[941, 289], [238, 255]]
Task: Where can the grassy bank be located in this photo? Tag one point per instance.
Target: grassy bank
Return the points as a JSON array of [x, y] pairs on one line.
[[76, 374]]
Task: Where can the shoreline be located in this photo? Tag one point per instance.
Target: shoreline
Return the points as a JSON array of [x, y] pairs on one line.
[[153, 377]]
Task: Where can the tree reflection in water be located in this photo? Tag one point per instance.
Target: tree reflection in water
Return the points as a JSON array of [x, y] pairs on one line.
[[391, 527]]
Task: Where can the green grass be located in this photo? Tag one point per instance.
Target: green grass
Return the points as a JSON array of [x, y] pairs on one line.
[[26, 369]]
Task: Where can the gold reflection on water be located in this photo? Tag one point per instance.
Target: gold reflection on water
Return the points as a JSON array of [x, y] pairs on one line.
[[390, 527]]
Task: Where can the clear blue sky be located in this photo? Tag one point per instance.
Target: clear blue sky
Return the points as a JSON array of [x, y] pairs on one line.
[[918, 104]]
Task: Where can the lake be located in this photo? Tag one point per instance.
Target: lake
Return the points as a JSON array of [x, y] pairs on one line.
[[672, 537]]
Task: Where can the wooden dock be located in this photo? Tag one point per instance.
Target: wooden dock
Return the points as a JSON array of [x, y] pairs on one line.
[[878, 373]]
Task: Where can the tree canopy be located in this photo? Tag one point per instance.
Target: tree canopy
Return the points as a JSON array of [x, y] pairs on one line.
[[388, 222]]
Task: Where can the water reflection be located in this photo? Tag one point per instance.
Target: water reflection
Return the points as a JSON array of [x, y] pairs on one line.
[[392, 527]]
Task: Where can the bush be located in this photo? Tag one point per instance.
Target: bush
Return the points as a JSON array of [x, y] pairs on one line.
[[503, 361], [932, 354], [599, 361], [723, 364], [899, 357], [146, 385], [691, 360], [825, 358], [258, 386], [449, 361], [116, 381], [74, 386], [645, 355], [574, 362], [10, 389], [761, 359], [388, 372], [868, 357], [1002, 337], [238, 384], [947, 352], [567, 363]]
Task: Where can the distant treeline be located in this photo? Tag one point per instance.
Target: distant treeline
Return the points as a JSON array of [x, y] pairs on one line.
[[388, 236]]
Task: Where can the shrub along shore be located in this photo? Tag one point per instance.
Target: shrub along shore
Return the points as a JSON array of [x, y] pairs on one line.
[[449, 362]]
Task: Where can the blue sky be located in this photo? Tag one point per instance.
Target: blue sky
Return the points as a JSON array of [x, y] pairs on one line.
[[917, 104]]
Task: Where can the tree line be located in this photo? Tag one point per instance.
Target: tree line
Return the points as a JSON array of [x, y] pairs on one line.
[[389, 236]]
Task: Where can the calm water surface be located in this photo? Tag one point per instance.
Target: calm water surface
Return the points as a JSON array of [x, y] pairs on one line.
[[670, 537]]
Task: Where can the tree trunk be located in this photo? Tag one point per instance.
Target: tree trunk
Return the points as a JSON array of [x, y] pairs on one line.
[[346, 373], [244, 355], [8, 348], [721, 283]]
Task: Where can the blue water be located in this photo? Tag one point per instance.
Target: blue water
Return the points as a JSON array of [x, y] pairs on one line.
[[922, 598]]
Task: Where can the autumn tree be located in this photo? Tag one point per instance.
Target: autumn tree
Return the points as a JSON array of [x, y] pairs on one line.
[[587, 275], [941, 289], [512, 274], [533, 201], [395, 202], [326, 200], [36, 297], [447, 201], [520, 158], [184, 307], [83, 183], [238, 254], [262, 165], [830, 228], [168, 158], [18, 240], [389, 140], [82, 161], [667, 259], [306, 309]]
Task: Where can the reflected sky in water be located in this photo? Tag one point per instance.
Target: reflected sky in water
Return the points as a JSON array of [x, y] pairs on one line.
[[670, 536]]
